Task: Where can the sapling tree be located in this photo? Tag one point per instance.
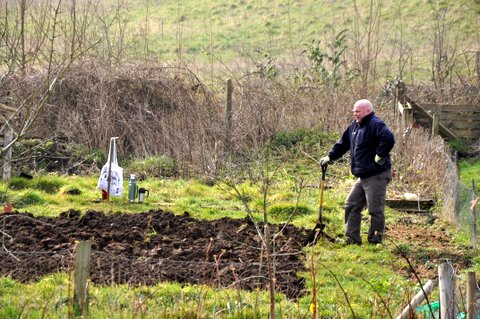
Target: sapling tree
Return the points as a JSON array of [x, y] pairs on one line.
[[261, 172]]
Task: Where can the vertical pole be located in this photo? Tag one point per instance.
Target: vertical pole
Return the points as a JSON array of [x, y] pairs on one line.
[[435, 124], [111, 149], [472, 312], [82, 275], [399, 95], [228, 119], [7, 166], [474, 218], [446, 285]]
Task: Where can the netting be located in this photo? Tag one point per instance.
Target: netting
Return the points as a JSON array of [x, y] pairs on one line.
[[458, 198]]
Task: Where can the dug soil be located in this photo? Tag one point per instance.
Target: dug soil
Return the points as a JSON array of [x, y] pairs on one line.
[[156, 246], [150, 247]]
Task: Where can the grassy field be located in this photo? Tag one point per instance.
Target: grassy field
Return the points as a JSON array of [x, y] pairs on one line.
[[339, 271], [279, 32]]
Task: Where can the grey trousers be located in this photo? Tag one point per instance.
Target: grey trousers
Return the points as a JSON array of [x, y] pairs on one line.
[[367, 192]]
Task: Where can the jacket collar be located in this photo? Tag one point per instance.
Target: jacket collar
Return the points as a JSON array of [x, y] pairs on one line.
[[366, 119]]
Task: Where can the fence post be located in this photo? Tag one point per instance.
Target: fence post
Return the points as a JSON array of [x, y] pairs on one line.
[[81, 276], [446, 285], [474, 217], [7, 166], [399, 96], [6, 137], [435, 124], [228, 119], [472, 311]]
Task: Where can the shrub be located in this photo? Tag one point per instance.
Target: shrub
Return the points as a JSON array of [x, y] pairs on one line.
[[307, 138]]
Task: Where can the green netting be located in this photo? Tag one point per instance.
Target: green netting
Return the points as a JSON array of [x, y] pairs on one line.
[[425, 312]]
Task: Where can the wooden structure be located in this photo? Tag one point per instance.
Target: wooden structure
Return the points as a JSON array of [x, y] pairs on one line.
[[6, 136], [452, 122], [411, 206]]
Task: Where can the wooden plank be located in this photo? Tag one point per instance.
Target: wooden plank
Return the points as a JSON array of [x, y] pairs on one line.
[[465, 125], [474, 117], [450, 107], [468, 133], [420, 205], [442, 129], [409, 310]]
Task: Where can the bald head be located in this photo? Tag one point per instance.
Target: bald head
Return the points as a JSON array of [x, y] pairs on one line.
[[362, 108]]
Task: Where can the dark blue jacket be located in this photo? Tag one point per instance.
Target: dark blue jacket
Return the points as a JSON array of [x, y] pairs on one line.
[[364, 140]]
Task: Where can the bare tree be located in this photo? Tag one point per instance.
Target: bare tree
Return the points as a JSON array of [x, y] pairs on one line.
[[30, 39]]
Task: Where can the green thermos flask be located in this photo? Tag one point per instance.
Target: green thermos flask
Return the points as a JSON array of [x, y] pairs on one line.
[[132, 188]]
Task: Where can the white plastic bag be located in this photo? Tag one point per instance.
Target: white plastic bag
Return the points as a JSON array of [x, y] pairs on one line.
[[116, 172]]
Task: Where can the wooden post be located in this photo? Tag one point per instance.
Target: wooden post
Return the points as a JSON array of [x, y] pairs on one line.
[[399, 99], [6, 115], [435, 124], [228, 119], [409, 310], [474, 217], [6, 165], [446, 285], [81, 276], [400, 93], [472, 311]]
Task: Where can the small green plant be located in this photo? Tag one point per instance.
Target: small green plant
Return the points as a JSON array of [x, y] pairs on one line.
[[458, 145], [31, 198], [286, 210], [19, 183], [402, 249], [328, 61], [49, 185]]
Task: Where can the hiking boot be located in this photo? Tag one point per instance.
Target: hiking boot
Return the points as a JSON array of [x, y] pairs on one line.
[[348, 241]]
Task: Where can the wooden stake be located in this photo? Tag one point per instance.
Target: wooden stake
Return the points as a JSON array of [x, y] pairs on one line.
[[81, 276], [472, 312], [418, 299], [446, 285], [228, 119]]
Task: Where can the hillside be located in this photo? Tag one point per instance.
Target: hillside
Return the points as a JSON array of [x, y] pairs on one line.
[[390, 38]]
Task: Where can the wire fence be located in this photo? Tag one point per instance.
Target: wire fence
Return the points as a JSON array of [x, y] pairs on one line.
[[458, 199]]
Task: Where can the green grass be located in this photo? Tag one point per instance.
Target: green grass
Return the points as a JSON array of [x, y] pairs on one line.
[[222, 32], [351, 266], [470, 171], [48, 298], [367, 275]]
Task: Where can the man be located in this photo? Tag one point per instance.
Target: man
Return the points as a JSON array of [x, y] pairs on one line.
[[369, 141]]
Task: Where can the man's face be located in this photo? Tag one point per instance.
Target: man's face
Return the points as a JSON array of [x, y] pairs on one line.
[[360, 111]]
